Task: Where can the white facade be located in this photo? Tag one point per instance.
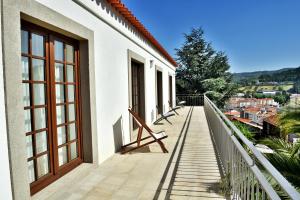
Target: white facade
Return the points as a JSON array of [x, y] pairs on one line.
[[272, 93], [5, 183], [113, 39]]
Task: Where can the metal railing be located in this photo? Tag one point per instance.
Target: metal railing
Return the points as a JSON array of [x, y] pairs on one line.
[[191, 99], [242, 163]]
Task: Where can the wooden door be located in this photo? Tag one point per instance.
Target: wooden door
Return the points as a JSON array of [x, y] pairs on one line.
[[65, 102], [159, 89], [51, 104], [171, 91], [137, 90]]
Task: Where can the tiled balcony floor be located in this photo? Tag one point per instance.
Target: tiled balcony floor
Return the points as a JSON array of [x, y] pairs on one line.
[[189, 171]]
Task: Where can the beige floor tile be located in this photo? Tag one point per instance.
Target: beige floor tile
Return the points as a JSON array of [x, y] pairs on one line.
[[193, 173]]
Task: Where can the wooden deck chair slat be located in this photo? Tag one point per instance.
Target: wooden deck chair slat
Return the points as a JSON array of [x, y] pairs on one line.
[[157, 137]]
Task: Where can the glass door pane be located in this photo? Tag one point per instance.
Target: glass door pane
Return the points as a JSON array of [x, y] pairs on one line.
[[65, 102], [35, 84]]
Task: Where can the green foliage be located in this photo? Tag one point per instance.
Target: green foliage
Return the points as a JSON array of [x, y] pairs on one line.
[[282, 194], [286, 159], [288, 75], [281, 98], [282, 75], [259, 95], [280, 88], [226, 185], [289, 121], [296, 87], [287, 87], [281, 146], [248, 94], [245, 130], [264, 77], [202, 69]]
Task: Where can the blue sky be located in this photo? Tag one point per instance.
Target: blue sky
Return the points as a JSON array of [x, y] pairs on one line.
[[255, 34]]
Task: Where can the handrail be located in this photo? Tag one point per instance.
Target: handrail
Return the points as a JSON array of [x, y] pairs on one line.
[[284, 184], [191, 99]]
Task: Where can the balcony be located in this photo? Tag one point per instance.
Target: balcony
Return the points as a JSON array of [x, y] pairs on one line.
[[204, 146]]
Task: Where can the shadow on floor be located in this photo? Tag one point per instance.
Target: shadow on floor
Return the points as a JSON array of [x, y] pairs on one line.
[[196, 173], [145, 149]]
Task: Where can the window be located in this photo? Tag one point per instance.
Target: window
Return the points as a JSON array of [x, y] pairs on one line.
[[51, 104]]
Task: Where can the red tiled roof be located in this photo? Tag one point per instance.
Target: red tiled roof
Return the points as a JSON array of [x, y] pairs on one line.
[[272, 120], [252, 109], [247, 121], [271, 109], [127, 14], [232, 113], [244, 120]]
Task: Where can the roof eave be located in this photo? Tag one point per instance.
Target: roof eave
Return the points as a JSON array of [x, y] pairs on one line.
[[127, 14]]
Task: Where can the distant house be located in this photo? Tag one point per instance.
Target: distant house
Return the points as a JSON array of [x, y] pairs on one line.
[[293, 138], [266, 101], [248, 122], [257, 114], [295, 96], [250, 113], [239, 102], [270, 126], [295, 100], [269, 92], [240, 94], [232, 113]]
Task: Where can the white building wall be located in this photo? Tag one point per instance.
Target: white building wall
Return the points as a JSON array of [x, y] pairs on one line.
[[5, 182], [111, 61]]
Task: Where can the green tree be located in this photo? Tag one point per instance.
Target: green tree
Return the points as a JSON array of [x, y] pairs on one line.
[[281, 98], [289, 121], [245, 130], [202, 69], [248, 94], [297, 86], [265, 78], [259, 95]]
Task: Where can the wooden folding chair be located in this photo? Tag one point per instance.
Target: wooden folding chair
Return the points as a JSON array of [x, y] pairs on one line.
[[180, 103], [174, 108], [164, 116], [157, 137]]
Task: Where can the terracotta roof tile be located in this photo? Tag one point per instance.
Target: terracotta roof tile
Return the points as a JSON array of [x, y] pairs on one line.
[[273, 119], [244, 120], [252, 109], [232, 113], [127, 14]]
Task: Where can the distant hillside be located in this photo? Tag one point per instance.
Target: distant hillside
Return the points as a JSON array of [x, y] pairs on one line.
[[285, 74]]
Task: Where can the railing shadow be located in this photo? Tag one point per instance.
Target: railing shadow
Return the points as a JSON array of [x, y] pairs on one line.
[[196, 173], [195, 177]]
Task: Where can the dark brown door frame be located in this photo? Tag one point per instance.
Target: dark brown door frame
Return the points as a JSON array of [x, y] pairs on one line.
[[54, 171], [159, 91], [137, 90], [171, 91], [135, 57]]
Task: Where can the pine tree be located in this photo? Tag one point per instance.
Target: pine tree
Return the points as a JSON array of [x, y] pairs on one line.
[[202, 69]]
